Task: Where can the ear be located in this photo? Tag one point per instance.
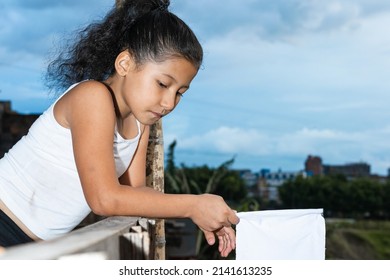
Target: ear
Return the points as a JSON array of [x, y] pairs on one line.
[[124, 63]]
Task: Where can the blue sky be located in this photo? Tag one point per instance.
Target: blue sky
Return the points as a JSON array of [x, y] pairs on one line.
[[281, 79]]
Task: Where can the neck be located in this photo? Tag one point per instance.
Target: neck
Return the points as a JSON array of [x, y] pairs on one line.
[[120, 107]]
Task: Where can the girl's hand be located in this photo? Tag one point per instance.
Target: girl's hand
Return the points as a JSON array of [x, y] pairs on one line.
[[211, 213], [226, 238], [215, 218]]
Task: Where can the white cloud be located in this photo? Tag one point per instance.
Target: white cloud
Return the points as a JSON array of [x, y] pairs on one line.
[[230, 140], [336, 147]]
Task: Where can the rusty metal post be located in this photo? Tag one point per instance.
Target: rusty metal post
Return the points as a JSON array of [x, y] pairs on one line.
[[155, 177]]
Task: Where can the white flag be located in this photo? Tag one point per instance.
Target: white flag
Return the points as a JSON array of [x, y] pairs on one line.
[[297, 234]]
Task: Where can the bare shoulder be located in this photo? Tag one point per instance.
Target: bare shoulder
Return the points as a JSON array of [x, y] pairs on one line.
[[89, 96], [90, 92]]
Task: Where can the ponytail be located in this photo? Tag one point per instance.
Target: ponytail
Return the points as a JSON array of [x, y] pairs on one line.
[[143, 27]]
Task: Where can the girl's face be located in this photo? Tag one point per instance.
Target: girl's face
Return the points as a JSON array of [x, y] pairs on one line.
[[153, 90]]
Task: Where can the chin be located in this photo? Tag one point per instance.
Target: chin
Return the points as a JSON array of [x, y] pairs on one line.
[[149, 122]]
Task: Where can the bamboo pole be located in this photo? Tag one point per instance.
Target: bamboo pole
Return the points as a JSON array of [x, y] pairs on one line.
[[155, 177]]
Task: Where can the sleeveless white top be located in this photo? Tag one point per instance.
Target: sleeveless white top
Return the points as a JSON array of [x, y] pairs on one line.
[[39, 182]]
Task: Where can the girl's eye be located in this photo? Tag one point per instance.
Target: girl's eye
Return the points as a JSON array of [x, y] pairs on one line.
[[162, 85], [179, 94]]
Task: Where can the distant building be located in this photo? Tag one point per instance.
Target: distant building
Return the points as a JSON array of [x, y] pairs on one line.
[[249, 178], [314, 166], [270, 182], [13, 126], [351, 170]]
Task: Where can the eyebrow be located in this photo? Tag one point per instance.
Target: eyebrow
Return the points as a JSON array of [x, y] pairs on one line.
[[173, 78]]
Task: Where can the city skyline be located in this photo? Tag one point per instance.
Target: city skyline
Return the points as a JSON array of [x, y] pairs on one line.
[[281, 79]]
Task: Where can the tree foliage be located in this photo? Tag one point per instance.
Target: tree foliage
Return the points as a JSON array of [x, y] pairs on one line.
[[357, 198], [202, 179]]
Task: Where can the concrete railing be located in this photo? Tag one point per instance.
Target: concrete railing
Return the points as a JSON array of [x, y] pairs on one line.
[[113, 238]]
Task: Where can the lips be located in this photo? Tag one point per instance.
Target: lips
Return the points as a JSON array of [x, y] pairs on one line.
[[157, 115]]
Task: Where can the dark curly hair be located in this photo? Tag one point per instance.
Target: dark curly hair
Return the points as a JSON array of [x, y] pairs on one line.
[[143, 27]]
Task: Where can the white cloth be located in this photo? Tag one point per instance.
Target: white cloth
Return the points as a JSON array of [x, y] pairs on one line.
[[297, 234]]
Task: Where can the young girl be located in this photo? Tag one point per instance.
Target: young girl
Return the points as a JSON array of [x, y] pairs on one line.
[[88, 150]]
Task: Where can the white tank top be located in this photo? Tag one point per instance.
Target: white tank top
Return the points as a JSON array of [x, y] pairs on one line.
[[39, 182]]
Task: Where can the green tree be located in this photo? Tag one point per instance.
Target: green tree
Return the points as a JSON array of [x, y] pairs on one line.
[[357, 198], [386, 199], [366, 197]]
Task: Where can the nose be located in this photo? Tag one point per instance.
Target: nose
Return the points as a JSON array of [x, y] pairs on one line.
[[169, 101]]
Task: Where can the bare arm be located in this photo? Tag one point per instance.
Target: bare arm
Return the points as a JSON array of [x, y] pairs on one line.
[[91, 119]]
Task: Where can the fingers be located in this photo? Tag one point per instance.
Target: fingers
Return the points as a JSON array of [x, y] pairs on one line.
[[233, 219], [222, 245], [227, 240], [210, 238], [225, 246], [231, 236]]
